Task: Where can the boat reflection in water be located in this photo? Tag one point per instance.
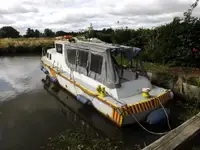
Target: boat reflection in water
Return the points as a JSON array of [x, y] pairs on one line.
[[90, 121], [80, 115]]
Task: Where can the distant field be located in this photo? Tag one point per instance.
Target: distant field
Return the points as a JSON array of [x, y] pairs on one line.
[[24, 45]]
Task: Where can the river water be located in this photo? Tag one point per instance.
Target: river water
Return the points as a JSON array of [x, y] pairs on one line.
[[30, 114]]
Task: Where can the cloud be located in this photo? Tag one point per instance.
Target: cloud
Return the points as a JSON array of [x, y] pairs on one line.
[[73, 15], [18, 9], [5, 21]]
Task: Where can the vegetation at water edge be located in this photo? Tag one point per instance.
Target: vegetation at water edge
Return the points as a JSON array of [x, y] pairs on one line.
[[78, 140], [24, 45]]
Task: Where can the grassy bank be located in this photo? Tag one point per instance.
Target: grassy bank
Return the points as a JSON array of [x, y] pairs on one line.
[[187, 106], [78, 140], [24, 45]]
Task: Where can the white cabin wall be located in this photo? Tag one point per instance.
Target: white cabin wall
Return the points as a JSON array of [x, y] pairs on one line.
[[57, 59]]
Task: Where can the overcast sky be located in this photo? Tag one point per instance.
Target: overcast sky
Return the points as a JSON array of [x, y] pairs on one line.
[[74, 15]]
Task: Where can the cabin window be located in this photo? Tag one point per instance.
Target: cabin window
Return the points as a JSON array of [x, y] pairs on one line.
[[50, 56], [71, 55], [82, 58], [59, 48], [47, 55], [96, 63]]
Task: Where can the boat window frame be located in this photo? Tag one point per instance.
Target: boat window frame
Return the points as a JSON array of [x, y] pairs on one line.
[[75, 61], [91, 63], [78, 58], [59, 51]]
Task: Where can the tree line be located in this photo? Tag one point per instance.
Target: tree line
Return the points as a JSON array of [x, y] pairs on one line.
[[10, 32]]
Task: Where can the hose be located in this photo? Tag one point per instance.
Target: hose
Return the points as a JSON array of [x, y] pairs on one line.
[[151, 132]]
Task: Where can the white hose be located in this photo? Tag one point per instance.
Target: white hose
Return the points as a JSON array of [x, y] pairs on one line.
[[149, 130]]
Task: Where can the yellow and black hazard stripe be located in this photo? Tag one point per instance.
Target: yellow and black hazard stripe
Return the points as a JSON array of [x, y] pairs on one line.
[[117, 116], [53, 73], [145, 105]]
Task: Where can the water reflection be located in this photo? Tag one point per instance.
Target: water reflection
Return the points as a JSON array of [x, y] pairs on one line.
[[18, 75], [82, 116], [28, 114]]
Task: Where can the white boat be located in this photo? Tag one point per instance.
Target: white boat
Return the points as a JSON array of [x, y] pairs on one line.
[[90, 71]]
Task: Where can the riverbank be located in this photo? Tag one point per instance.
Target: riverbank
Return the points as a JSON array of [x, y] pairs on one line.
[[20, 46], [184, 82], [78, 140]]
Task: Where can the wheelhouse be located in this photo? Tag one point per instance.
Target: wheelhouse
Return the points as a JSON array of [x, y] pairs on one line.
[[102, 62]]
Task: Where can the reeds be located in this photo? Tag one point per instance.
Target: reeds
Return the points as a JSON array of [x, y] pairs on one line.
[[24, 45]]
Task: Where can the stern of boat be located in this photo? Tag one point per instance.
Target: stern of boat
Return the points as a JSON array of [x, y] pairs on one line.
[[138, 112]]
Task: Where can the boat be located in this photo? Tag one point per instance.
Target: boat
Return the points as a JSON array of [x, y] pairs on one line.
[[92, 72]]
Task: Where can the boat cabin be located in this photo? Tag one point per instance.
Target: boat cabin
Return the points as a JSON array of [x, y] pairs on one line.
[[101, 61]]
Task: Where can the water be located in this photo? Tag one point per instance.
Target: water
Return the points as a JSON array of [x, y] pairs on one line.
[[30, 113]]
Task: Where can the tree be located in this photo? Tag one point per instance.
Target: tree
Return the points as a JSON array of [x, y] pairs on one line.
[[90, 31], [61, 33], [36, 33], [30, 33], [188, 13], [8, 32], [48, 33]]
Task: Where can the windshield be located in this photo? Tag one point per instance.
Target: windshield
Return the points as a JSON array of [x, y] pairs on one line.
[[121, 61], [123, 64]]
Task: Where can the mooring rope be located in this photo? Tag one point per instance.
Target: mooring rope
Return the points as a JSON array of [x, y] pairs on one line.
[[151, 132]]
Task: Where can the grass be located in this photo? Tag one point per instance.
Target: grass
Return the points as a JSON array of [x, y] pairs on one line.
[[24, 45], [151, 67], [73, 140], [155, 67], [27, 42]]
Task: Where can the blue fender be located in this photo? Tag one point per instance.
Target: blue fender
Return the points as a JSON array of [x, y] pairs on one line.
[[53, 79], [157, 116], [83, 99], [43, 69]]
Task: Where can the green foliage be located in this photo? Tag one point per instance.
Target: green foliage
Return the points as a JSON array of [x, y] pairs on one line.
[[198, 81], [61, 33], [171, 43], [32, 33], [74, 140], [8, 31], [24, 45], [48, 33]]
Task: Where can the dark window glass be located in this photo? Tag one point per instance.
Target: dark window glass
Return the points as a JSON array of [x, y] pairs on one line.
[[82, 58], [71, 55], [96, 63], [47, 55], [50, 56], [59, 48]]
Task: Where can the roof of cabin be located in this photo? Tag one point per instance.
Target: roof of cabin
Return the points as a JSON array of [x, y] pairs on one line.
[[95, 46]]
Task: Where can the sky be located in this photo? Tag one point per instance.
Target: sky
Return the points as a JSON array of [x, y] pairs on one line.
[[75, 15]]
